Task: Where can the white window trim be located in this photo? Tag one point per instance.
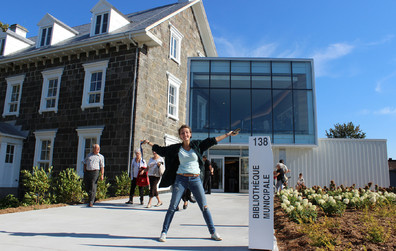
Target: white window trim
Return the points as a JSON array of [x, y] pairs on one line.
[[13, 153], [83, 133], [11, 81], [174, 33], [89, 69], [46, 36], [2, 45], [170, 140], [41, 136], [101, 23], [175, 82], [47, 76]]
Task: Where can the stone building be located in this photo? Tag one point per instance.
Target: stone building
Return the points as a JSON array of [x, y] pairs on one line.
[[115, 81]]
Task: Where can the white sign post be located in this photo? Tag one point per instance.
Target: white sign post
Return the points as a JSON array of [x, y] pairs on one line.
[[261, 193]]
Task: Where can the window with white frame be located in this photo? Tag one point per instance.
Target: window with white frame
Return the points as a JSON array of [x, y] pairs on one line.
[[13, 95], [173, 96], [94, 84], [9, 157], [87, 136], [101, 23], [50, 90], [44, 148], [175, 44], [2, 45], [46, 35]]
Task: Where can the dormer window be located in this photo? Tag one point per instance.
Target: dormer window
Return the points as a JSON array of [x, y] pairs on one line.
[[2, 45], [102, 22], [106, 18], [46, 35]]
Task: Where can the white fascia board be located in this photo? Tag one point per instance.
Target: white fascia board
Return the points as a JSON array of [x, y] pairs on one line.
[[171, 15], [11, 136], [150, 39], [19, 37], [204, 29], [146, 37]]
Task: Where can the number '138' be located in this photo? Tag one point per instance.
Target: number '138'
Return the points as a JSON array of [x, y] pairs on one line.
[[260, 141]]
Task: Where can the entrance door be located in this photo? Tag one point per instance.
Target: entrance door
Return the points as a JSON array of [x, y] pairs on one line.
[[231, 175], [217, 178]]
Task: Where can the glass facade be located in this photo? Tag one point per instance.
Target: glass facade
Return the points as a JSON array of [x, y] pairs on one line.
[[262, 97]]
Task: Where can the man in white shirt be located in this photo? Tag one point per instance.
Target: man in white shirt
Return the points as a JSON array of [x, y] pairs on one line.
[[93, 163]]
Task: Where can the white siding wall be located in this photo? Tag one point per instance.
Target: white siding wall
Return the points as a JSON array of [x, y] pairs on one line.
[[116, 21], [346, 161], [60, 34], [13, 45]]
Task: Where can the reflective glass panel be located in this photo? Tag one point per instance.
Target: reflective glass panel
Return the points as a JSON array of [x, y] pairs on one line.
[[240, 114], [199, 74], [219, 81], [302, 75], [304, 117], [199, 112], [281, 77], [283, 116], [262, 112], [219, 112], [240, 81]]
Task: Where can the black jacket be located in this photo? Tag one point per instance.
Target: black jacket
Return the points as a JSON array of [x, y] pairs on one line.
[[171, 154]]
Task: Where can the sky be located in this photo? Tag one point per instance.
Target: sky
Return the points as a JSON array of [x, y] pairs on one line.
[[353, 44]]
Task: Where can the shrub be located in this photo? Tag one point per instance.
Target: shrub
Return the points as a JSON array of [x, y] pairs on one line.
[[122, 184], [375, 232], [333, 208], [320, 233], [69, 187], [37, 185], [9, 201], [101, 192]]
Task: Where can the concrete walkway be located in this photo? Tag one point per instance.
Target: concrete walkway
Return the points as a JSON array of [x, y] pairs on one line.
[[114, 225]]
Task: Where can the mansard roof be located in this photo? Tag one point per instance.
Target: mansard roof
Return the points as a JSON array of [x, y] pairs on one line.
[[138, 29]]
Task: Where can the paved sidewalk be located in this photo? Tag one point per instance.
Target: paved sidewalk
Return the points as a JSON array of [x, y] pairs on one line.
[[114, 225]]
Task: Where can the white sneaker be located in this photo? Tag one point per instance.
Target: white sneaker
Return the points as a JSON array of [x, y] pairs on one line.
[[216, 237], [162, 237]]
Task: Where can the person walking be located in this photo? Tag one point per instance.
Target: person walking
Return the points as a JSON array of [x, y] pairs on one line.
[[184, 166], [154, 176], [280, 177], [93, 163], [138, 165], [208, 175]]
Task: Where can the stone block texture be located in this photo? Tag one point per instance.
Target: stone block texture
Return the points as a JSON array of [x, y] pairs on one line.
[[149, 117]]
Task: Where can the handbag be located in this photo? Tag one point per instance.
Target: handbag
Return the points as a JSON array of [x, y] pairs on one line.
[[161, 169], [142, 180]]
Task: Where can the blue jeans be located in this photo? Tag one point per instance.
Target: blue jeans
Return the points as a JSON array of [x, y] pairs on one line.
[[195, 185]]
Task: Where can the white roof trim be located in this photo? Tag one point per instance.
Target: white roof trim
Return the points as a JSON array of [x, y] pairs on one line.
[[203, 25]]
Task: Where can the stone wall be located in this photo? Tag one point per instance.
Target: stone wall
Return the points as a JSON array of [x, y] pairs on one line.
[[151, 111], [115, 115], [151, 119]]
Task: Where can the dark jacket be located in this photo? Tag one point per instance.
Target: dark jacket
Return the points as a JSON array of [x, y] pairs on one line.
[[171, 154]]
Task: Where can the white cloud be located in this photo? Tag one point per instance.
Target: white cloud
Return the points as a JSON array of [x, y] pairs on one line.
[[386, 111], [332, 52], [384, 40], [237, 48], [383, 81]]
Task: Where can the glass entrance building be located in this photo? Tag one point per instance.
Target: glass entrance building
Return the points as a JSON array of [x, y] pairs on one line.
[[266, 97]]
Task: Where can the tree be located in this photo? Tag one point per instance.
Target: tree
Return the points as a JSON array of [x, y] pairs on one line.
[[4, 27], [346, 131]]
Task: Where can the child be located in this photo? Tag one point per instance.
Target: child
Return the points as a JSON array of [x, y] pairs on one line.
[[300, 182]]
